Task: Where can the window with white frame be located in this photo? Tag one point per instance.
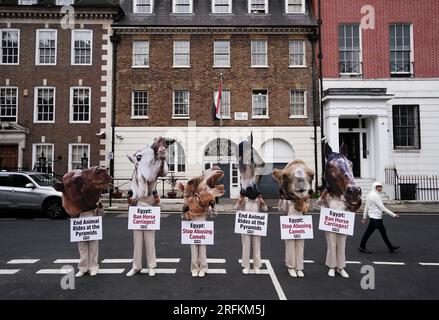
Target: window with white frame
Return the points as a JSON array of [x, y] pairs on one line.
[[297, 53], [143, 6], [44, 110], [406, 127], [9, 45], [182, 54], [400, 48], [259, 104], [64, 2], [349, 48], [182, 6], [45, 150], [46, 46], [297, 103], [140, 53], [80, 105], [221, 6], [8, 104], [139, 106], [225, 103], [259, 53], [181, 104], [27, 2], [295, 6], [175, 156], [221, 52], [77, 152], [258, 6], [82, 46]]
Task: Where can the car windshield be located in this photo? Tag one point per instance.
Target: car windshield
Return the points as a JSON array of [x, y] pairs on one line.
[[44, 180]]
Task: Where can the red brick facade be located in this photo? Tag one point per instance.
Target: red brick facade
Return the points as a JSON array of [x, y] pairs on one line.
[[27, 75], [201, 79], [375, 43]]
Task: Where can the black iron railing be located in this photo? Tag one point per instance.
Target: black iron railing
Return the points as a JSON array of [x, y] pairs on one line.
[[420, 187]]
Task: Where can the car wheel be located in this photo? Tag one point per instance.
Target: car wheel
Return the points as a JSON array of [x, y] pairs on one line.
[[53, 208]]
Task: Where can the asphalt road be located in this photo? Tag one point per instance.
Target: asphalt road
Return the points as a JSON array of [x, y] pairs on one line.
[[46, 241]]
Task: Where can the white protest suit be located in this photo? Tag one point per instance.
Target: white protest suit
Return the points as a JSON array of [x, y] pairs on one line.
[[336, 242], [198, 253], [147, 237], [293, 248], [89, 250], [249, 241]]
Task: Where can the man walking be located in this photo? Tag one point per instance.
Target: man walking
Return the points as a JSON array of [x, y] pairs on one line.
[[374, 209]]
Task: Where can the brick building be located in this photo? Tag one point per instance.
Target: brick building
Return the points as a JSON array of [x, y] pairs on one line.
[[55, 82], [170, 61], [380, 84]]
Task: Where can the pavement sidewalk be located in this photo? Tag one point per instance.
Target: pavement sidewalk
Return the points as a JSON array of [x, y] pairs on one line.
[[227, 205]]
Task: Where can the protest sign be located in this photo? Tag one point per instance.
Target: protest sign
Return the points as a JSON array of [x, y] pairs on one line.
[[85, 229], [144, 218], [197, 232], [252, 223], [337, 221], [296, 227]]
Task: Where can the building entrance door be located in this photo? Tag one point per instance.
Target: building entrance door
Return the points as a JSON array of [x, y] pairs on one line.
[[8, 156], [352, 141]]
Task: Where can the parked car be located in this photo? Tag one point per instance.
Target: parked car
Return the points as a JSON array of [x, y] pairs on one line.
[[30, 191]]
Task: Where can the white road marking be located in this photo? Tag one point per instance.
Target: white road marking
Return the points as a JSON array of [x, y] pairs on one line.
[[123, 215], [54, 271], [353, 262], [23, 261], [216, 260], [276, 283], [8, 219], [66, 261], [308, 261], [389, 263], [158, 270], [216, 271], [110, 271], [41, 219], [168, 260], [9, 271], [117, 260], [429, 264]]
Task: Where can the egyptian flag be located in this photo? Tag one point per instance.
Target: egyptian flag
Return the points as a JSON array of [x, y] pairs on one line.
[[216, 106]]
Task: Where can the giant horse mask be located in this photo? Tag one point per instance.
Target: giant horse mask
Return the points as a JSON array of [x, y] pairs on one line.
[[295, 183], [339, 177], [251, 168], [81, 189], [200, 193], [149, 164]]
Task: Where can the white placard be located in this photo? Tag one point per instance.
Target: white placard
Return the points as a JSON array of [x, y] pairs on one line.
[[241, 116], [253, 223], [337, 221], [85, 229], [144, 218], [296, 227], [197, 232]]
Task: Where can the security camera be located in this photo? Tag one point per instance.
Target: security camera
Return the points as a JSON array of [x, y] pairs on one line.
[[118, 135]]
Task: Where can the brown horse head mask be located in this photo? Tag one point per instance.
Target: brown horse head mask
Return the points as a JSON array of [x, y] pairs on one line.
[[81, 189], [339, 177], [200, 192]]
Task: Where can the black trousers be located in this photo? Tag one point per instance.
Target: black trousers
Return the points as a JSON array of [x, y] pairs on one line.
[[373, 225]]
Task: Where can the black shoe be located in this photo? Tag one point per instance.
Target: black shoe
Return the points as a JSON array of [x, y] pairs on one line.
[[393, 249], [364, 250]]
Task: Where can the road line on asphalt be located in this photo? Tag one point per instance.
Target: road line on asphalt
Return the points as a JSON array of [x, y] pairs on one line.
[[117, 260], [168, 260], [160, 270], [9, 271], [308, 261], [389, 263], [66, 261], [22, 261], [216, 271], [8, 219], [54, 271], [429, 264], [42, 219], [111, 271], [276, 283], [353, 262], [210, 260]]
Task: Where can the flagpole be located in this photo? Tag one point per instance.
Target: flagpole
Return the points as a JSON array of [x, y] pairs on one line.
[[221, 114]]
